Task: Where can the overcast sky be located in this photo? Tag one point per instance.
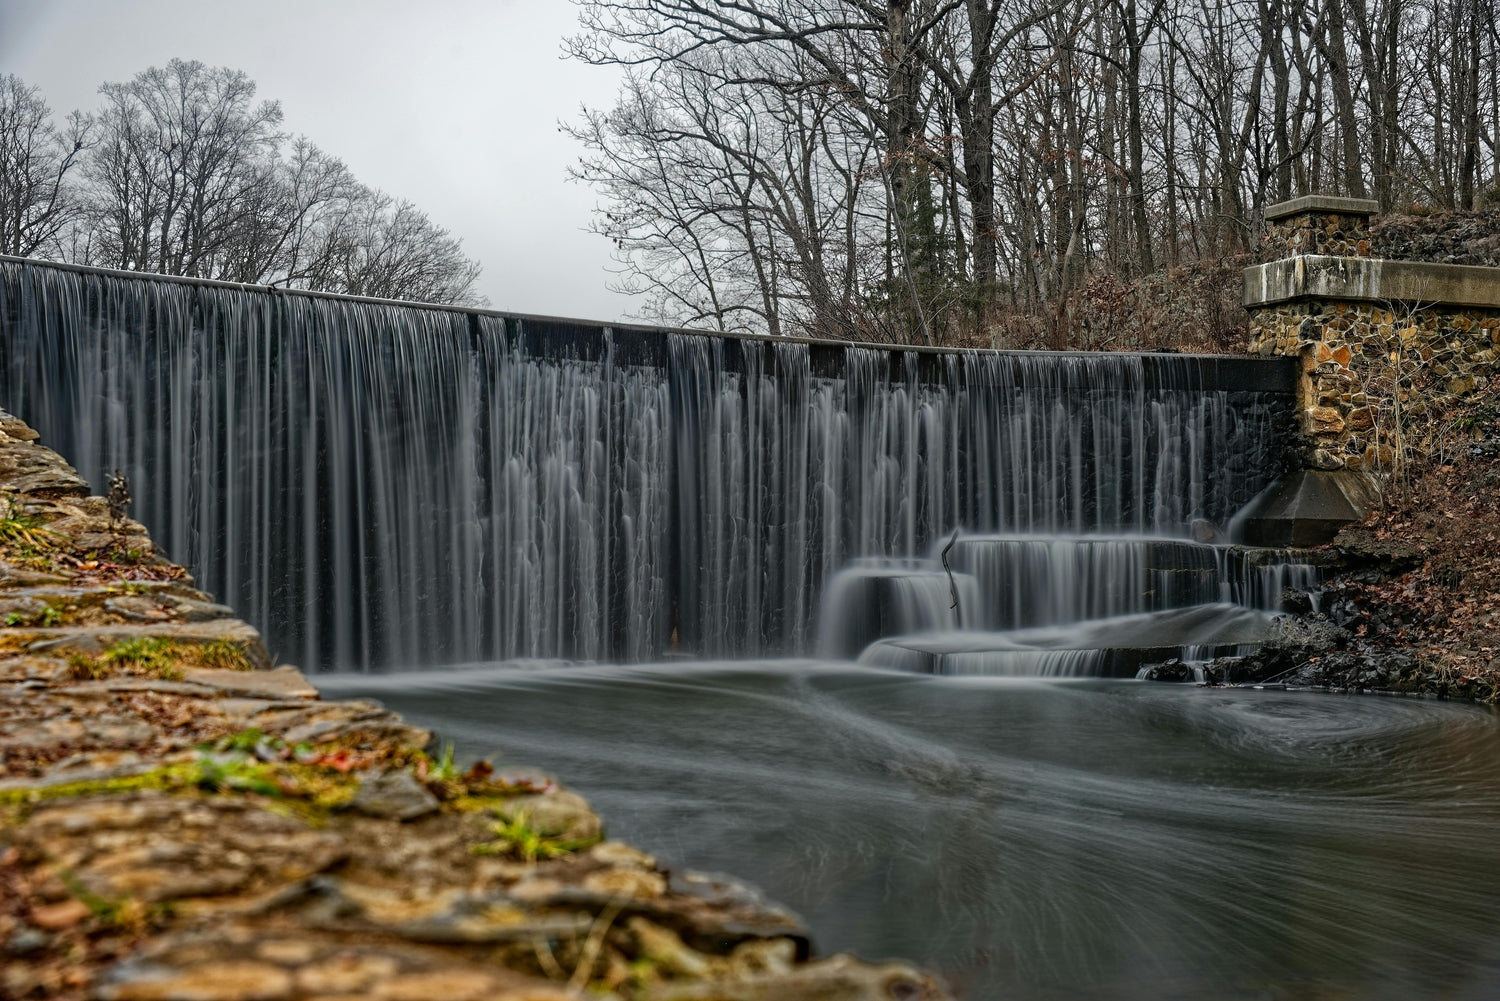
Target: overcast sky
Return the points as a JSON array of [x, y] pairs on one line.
[[453, 104]]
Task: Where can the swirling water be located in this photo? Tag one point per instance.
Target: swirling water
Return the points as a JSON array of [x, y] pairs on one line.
[[1041, 840]]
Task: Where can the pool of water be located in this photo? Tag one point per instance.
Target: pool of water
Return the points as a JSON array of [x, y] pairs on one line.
[[1036, 839]]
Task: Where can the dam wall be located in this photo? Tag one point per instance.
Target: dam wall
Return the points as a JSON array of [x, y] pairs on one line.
[[379, 484]]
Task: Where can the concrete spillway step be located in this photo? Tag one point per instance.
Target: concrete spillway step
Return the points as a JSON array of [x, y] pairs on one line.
[[1114, 647], [1012, 582]]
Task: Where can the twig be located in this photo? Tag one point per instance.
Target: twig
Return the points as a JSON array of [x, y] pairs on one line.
[[592, 945], [547, 960], [952, 584]]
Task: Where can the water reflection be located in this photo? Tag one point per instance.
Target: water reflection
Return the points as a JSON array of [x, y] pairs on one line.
[[1035, 839]]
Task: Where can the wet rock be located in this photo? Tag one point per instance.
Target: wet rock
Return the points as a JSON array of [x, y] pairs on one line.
[[1310, 633], [1203, 530], [1172, 670], [1296, 601], [394, 794]]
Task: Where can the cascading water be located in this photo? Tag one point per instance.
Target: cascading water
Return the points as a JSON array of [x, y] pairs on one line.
[[377, 484]]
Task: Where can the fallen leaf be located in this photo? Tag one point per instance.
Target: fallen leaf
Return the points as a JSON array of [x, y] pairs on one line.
[[56, 917]]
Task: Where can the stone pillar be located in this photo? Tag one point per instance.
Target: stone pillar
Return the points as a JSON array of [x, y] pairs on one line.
[[1385, 345], [1319, 224]]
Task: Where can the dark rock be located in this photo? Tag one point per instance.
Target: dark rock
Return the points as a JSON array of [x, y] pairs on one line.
[[1296, 601], [1172, 670], [1362, 551]]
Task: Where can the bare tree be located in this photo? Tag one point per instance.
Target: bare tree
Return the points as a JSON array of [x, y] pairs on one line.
[[388, 249], [183, 167], [36, 157], [182, 172]]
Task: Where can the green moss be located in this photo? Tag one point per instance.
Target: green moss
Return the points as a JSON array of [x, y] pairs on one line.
[[150, 655], [168, 777], [160, 658], [122, 913], [309, 792]]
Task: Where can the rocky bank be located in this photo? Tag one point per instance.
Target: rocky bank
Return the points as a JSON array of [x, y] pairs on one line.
[[180, 821], [1410, 602]]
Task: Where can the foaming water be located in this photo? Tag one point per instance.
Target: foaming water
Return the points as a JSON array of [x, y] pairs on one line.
[[1115, 646], [1031, 839]]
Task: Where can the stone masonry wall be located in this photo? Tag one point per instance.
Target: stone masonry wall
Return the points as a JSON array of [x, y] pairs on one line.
[[1372, 370]]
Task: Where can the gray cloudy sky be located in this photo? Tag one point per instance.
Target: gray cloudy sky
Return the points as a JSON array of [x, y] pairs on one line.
[[453, 104]]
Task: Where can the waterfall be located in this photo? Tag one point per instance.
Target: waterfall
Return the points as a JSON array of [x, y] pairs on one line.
[[377, 484]]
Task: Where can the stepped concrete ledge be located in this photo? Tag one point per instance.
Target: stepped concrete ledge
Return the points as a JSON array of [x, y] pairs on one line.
[[1364, 279], [177, 821]]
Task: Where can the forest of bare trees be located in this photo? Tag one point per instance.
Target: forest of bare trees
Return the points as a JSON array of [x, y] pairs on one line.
[[928, 170], [180, 171]]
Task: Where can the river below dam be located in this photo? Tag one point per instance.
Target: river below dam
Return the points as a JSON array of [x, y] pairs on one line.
[[1033, 838]]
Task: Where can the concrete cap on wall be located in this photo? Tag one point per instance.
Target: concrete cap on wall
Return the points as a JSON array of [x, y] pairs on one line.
[[1322, 203], [1365, 279]]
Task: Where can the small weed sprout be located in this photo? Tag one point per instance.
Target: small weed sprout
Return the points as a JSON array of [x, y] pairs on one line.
[[515, 836], [48, 617], [24, 530]]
